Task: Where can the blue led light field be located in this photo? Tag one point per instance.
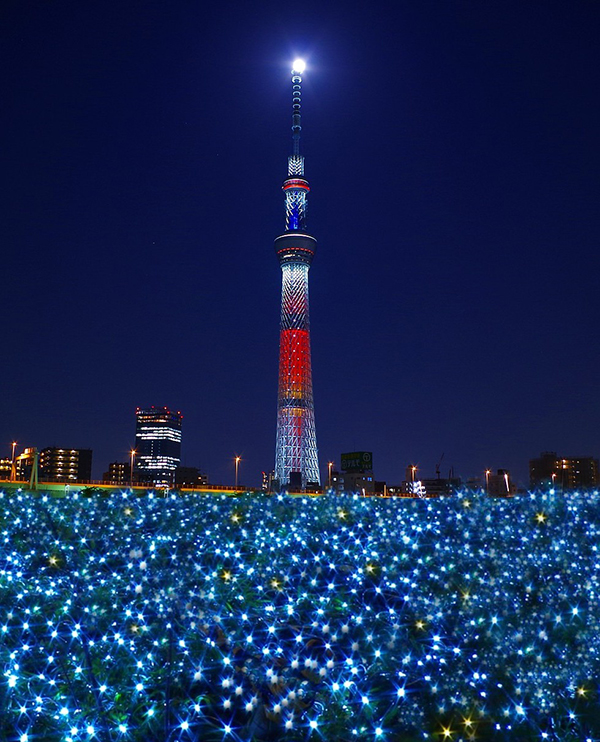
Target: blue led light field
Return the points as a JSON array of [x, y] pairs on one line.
[[325, 618]]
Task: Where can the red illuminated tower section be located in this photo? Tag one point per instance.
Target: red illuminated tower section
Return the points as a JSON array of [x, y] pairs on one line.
[[296, 460]]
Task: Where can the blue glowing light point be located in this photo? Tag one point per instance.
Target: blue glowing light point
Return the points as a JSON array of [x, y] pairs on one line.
[[391, 618]]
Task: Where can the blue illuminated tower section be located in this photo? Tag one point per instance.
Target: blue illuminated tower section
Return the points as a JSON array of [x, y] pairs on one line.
[[296, 460]]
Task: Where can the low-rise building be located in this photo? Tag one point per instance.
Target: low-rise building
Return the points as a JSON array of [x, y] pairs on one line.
[[500, 484], [65, 464], [5, 468], [190, 477], [356, 472], [24, 463], [119, 472], [575, 472]]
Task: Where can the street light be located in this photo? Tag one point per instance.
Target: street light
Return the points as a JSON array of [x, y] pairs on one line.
[[13, 470], [330, 467], [237, 468], [132, 455], [487, 480], [413, 470]]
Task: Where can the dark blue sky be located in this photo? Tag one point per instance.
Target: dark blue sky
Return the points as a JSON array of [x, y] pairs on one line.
[[452, 151]]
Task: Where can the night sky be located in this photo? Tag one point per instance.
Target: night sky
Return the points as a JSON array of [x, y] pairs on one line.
[[452, 151]]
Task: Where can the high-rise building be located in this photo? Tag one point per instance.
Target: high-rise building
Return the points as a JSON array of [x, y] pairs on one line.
[[296, 460], [566, 473], [65, 464], [157, 445]]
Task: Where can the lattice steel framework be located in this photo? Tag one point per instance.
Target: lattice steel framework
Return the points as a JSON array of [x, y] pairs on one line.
[[296, 445]]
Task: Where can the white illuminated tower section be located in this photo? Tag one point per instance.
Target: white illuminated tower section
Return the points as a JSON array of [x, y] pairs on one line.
[[296, 460]]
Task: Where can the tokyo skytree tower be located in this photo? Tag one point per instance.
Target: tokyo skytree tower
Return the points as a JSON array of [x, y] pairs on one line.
[[296, 460]]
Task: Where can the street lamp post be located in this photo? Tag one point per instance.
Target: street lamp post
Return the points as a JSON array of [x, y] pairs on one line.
[[13, 470], [487, 479], [132, 455], [237, 468], [330, 467]]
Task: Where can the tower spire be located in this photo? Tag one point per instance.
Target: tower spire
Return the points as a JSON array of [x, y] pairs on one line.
[[296, 460], [296, 161], [297, 69]]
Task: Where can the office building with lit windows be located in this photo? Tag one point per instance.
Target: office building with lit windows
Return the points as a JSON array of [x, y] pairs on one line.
[[157, 445]]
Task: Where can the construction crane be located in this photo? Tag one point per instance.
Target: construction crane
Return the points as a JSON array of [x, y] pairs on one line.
[[437, 467]]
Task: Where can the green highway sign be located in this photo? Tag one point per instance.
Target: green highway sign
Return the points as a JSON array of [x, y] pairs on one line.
[[358, 461]]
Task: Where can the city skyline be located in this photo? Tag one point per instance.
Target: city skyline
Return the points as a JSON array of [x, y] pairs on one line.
[[158, 441], [453, 158]]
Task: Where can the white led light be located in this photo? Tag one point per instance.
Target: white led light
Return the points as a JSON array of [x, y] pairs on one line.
[[298, 66]]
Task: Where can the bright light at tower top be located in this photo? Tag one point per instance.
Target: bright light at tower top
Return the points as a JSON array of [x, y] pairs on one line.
[[298, 66]]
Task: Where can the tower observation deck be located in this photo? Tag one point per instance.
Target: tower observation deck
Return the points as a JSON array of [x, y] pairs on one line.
[[296, 460]]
